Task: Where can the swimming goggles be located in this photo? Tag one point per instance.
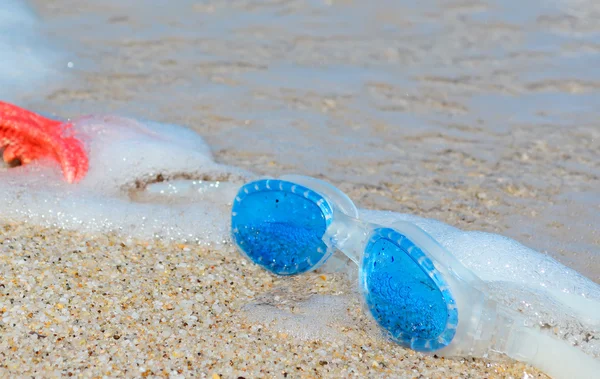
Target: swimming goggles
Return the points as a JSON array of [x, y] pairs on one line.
[[417, 292]]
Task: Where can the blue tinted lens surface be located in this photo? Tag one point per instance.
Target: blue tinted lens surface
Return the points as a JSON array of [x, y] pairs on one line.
[[280, 230], [401, 295]]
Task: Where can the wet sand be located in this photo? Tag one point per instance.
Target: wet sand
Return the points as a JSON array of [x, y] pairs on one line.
[[433, 120]]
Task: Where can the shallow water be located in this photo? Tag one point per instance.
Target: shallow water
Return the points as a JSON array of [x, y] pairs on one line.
[[27, 56], [482, 114]]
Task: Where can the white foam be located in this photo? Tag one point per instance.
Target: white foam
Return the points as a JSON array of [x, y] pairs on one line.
[[26, 59], [126, 155], [497, 258]]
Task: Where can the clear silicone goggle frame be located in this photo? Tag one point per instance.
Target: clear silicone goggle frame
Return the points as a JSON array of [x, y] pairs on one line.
[[418, 292]]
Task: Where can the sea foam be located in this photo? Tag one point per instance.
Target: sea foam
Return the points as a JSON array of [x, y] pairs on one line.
[[145, 180]]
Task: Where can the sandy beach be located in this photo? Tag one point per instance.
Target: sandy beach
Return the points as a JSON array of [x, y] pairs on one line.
[[431, 121]]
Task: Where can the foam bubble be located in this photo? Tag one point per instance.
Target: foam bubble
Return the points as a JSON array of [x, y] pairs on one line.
[[124, 191]]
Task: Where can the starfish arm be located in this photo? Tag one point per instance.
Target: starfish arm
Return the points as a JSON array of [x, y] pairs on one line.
[[73, 159], [27, 136]]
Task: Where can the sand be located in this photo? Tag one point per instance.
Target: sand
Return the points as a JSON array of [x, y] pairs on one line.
[[90, 307]]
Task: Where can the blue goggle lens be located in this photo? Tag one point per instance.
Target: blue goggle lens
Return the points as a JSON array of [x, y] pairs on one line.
[[280, 226], [402, 289]]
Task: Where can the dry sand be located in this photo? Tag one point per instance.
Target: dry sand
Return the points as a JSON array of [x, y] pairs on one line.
[[76, 306]]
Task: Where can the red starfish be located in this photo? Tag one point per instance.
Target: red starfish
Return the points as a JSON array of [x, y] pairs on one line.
[[26, 136]]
